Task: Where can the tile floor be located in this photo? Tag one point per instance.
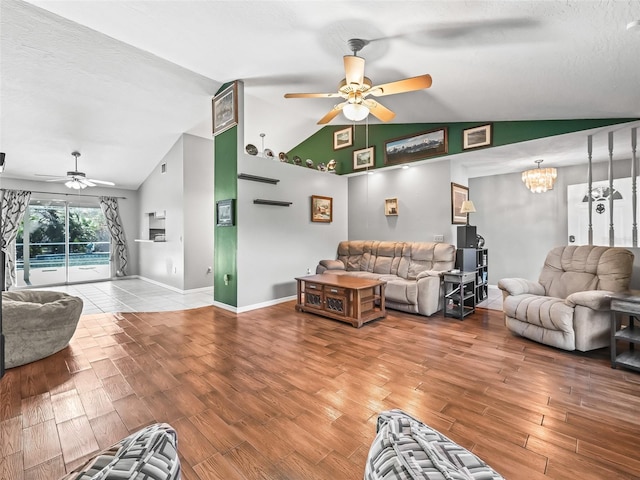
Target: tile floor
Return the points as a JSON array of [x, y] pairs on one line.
[[133, 295]]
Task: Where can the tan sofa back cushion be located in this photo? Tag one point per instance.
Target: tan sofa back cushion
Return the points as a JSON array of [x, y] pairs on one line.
[[405, 259], [573, 268]]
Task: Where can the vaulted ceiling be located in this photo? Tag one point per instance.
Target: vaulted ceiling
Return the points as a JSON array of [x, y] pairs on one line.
[[121, 81]]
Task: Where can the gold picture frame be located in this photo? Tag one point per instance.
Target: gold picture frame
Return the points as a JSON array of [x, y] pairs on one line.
[[321, 209], [459, 194], [391, 207], [343, 138], [224, 108]]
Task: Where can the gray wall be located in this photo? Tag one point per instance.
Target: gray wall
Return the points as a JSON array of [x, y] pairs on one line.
[[185, 193], [128, 207], [424, 204], [277, 244], [521, 227]]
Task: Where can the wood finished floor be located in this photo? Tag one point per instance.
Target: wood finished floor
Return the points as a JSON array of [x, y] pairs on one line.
[[277, 394]]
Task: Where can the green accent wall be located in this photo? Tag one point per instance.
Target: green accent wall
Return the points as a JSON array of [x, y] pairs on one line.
[[319, 146], [226, 238]]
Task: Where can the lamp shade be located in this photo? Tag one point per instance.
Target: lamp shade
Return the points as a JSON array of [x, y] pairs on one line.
[[355, 111], [467, 207]]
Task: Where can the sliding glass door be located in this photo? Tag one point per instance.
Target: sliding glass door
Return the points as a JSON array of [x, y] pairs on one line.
[[62, 242]]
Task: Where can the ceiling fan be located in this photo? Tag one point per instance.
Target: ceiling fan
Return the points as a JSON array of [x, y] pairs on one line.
[[355, 88], [78, 180]]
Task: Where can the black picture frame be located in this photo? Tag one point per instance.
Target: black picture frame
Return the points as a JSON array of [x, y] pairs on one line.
[[225, 213]]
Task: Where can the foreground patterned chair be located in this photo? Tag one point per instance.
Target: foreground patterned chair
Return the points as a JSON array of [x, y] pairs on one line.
[[569, 306], [37, 323], [407, 449], [149, 454]]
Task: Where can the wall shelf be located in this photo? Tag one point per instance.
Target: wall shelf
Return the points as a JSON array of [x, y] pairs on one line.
[[256, 178], [278, 203]]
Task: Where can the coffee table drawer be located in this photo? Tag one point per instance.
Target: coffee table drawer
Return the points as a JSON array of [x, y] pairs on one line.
[[331, 290]]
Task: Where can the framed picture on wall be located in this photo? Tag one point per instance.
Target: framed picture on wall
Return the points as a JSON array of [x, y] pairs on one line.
[[363, 158], [391, 206], [343, 138], [225, 214], [225, 109], [321, 209], [476, 137], [416, 147], [459, 193]]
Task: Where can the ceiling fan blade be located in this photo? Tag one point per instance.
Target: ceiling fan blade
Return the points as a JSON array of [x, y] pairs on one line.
[[354, 69], [332, 114], [50, 176], [87, 182], [401, 86], [100, 182], [379, 111], [311, 95], [60, 179]]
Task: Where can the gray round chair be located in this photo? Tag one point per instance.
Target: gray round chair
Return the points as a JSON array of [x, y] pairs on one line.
[[37, 323]]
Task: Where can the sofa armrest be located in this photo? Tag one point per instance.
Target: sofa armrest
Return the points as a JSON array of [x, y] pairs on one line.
[[519, 286], [593, 299], [429, 273], [325, 265]]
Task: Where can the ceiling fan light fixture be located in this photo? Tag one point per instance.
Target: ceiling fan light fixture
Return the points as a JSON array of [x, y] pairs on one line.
[[355, 111], [75, 184]]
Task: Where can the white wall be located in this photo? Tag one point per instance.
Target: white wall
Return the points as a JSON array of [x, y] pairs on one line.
[[199, 210], [128, 207], [185, 193], [424, 204], [277, 244], [163, 261]]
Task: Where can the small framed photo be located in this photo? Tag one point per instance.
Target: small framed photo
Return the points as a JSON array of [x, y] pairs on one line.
[[321, 209], [417, 146], [343, 138], [363, 158], [225, 109], [459, 194], [477, 137], [225, 214], [390, 206]]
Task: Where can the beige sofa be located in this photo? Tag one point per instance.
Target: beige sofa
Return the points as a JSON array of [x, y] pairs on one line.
[[569, 306], [412, 270]]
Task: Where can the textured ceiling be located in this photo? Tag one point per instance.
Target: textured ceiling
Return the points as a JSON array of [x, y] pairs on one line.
[[121, 80]]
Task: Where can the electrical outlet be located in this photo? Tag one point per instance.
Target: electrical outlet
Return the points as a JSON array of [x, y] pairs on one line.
[[438, 238], [308, 270]]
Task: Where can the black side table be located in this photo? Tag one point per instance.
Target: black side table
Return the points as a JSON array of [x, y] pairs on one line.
[[625, 305], [459, 294]]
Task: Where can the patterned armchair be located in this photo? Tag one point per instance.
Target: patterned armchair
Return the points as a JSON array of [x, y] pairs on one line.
[[569, 306]]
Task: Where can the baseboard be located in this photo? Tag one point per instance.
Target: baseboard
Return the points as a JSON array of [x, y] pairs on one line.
[[255, 306], [169, 287]]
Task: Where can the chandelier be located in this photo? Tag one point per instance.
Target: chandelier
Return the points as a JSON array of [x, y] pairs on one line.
[[540, 180]]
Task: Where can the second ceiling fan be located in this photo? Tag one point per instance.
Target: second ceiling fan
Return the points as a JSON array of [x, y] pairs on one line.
[[355, 88]]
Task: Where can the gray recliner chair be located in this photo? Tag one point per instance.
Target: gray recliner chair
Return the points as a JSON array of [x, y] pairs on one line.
[[569, 306]]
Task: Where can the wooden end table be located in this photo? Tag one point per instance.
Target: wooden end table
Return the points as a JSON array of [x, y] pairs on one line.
[[350, 299]]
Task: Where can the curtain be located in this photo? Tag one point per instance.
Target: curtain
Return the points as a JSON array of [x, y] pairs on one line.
[[14, 204], [118, 242]]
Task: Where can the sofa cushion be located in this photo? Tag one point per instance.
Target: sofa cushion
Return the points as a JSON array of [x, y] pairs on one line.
[[407, 449], [149, 454]]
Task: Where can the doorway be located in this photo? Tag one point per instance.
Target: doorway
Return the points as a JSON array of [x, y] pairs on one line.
[[62, 242]]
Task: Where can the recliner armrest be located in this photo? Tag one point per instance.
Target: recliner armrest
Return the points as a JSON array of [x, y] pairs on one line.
[[593, 299], [519, 286], [429, 273]]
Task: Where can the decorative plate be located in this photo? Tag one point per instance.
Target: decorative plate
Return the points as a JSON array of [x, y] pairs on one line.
[[331, 166], [309, 163], [268, 153], [322, 167], [251, 149], [283, 157], [297, 160]]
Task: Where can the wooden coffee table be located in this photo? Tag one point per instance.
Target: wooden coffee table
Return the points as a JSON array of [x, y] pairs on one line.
[[342, 297]]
